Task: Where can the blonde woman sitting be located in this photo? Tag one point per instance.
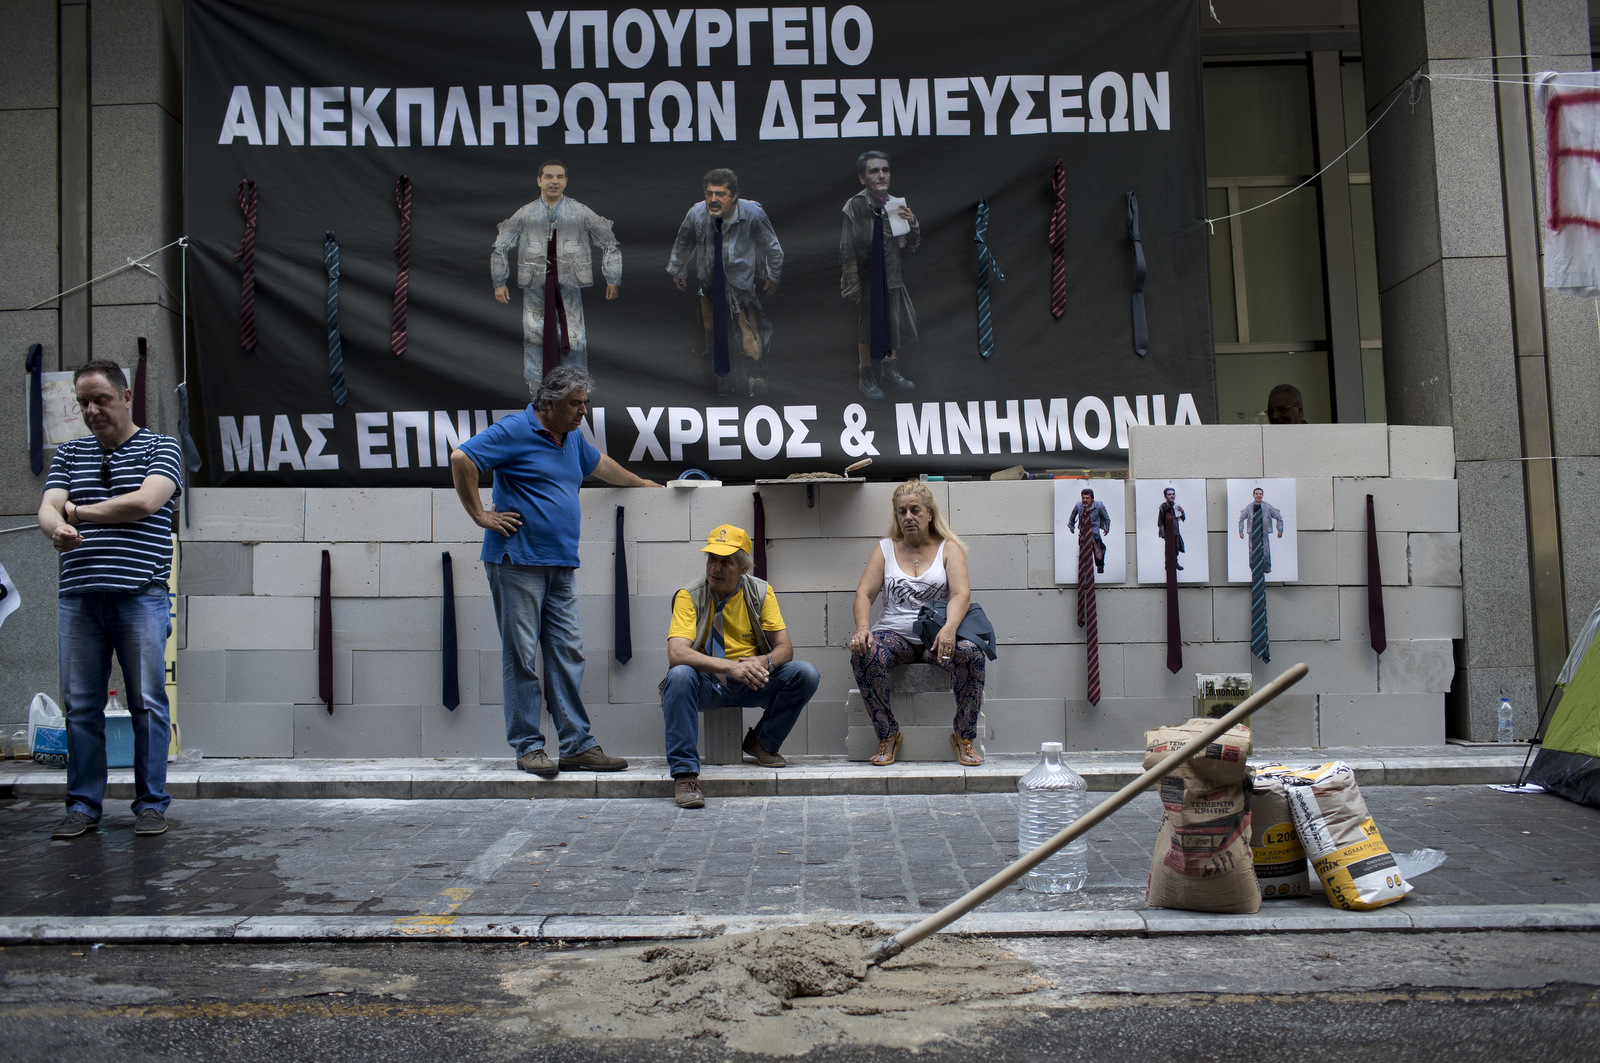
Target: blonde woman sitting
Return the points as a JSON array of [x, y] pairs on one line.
[[921, 561]]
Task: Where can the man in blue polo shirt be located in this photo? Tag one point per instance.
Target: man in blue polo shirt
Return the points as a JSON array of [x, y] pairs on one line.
[[108, 504], [530, 555]]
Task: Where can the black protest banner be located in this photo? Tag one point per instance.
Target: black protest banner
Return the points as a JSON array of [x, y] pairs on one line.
[[326, 106]]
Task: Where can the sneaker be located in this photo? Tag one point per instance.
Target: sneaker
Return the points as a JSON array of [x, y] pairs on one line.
[[538, 763], [686, 791], [763, 758], [150, 821], [869, 387], [75, 824], [889, 373], [593, 759]]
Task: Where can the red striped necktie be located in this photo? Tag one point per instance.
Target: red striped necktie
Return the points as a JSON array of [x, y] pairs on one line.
[[246, 256], [1058, 241], [402, 255], [1087, 617]]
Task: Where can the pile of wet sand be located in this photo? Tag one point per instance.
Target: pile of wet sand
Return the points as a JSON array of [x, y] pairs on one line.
[[778, 992]]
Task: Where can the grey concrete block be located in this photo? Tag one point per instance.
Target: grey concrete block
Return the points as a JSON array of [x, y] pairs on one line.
[[1041, 561], [1120, 724], [1466, 160], [814, 564], [286, 676], [1398, 505], [1483, 374], [849, 511], [135, 53], [1572, 363], [997, 561], [247, 514], [841, 616], [1325, 450], [638, 681], [469, 731], [136, 166], [29, 227], [491, 685], [358, 731], [295, 569], [1140, 615], [789, 516], [416, 570], [1434, 559], [238, 730], [824, 725], [1313, 501], [805, 614], [651, 515], [215, 568], [1019, 725], [28, 74], [200, 676], [1417, 666], [1178, 452], [384, 623], [1031, 672], [475, 623], [1409, 613], [633, 730], [1559, 29], [389, 514], [1422, 452], [1404, 144], [666, 566], [1474, 712], [1497, 599], [1319, 557], [1000, 507], [1288, 721], [1416, 387], [1146, 675], [1343, 667], [597, 571], [397, 677], [1382, 719], [1035, 616], [1578, 482], [450, 521], [1394, 562], [252, 623], [709, 507]]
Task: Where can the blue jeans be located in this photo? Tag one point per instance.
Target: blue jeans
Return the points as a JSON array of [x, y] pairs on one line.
[[689, 693], [89, 628], [536, 608]]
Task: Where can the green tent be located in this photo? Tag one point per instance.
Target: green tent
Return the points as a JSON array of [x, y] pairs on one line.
[[1569, 759]]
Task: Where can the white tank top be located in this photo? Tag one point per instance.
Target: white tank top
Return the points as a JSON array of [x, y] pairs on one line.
[[904, 594]]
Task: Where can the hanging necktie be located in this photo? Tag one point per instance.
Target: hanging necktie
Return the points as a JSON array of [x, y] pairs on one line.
[[402, 257], [1088, 617], [1258, 585], [1141, 333], [719, 306], [1058, 241], [1376, 623], [325, 634], [451, 692], [716, 644], [139, 416], [1174, 636], [557, 345], [622, 637], [191, 453], [759, 551], [35, 365], [986, 264], [330, 258], [246, 256], [880, 335]]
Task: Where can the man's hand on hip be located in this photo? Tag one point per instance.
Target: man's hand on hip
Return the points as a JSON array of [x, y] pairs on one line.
[[506, 522]]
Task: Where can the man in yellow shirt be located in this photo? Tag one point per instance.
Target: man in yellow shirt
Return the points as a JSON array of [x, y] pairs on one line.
[[719, 658]]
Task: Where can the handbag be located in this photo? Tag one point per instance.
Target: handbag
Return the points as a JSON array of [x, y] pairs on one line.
[[975, 626]]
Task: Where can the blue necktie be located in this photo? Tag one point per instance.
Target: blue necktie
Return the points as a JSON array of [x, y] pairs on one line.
[[622, 635], [451, 692], [1258, 585], [36, 407], [341, 394], [881, 337], [719, 306], [716, 644], [1141, 333], [986, 263]]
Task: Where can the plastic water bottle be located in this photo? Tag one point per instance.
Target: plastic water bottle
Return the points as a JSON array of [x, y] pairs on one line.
[[1504, 732], [1049, 799], [115, 704]]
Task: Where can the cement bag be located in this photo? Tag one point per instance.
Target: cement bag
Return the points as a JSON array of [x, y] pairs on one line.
[[1280, 859], [1202, 860], [47, 731], [1356, 868]]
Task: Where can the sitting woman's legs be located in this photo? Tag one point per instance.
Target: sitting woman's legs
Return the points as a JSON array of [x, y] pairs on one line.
[[872, 676], [967, 670]]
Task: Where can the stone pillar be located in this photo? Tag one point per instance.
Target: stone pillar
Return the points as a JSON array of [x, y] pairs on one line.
[[1470, 338]]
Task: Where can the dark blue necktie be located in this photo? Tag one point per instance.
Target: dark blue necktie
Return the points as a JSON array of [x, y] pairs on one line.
[[139, 415], [622, 636], [330, 255], [1141, 333], [719, 306], [1258, 585], [451, 692], [882, 338], [36, 407], [986, 263]]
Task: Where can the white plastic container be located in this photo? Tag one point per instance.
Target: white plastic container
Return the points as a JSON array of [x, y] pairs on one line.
[[1050, 798], [1505, 730]]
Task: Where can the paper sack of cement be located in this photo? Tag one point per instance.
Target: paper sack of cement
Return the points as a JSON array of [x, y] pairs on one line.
[[1279, 858], [1357, 870], [1202, 860]]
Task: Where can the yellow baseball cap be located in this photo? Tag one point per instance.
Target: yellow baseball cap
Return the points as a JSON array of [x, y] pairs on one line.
[[725, 539]]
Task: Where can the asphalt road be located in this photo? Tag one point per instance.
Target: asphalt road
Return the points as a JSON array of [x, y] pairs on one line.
[[1357, 996]]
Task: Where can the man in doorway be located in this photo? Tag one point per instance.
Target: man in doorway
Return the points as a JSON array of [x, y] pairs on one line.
[[554, 239], [734, 250], [1269, 514], [1098, 519], [1284, 405], [108, 504], [1170, 511], [530, 556], [728, 645], [870, 256]]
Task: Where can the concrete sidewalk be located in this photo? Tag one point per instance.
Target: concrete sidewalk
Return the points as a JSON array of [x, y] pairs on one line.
[[647, 777]]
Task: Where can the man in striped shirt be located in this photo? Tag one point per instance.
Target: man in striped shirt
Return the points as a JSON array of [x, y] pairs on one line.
[[108, 505]]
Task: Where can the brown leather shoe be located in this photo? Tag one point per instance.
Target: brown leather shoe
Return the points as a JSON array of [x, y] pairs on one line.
[[538, 763], [966, 752], [686, 791], [754, 747], [888, 749]]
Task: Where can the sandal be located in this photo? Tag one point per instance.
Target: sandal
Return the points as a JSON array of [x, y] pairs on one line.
[[888, 749], [966, 752]]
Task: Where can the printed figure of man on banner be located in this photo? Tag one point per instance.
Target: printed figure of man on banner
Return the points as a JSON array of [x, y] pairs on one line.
[[878, 229]]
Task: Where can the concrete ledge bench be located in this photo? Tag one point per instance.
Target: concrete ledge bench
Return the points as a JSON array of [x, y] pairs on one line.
[[923, 706]]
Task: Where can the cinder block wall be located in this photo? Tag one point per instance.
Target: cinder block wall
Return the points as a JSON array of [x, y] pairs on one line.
[[251, 563]]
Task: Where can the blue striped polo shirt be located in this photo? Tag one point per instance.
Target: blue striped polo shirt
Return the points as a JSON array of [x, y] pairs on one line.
[[117, 557]]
